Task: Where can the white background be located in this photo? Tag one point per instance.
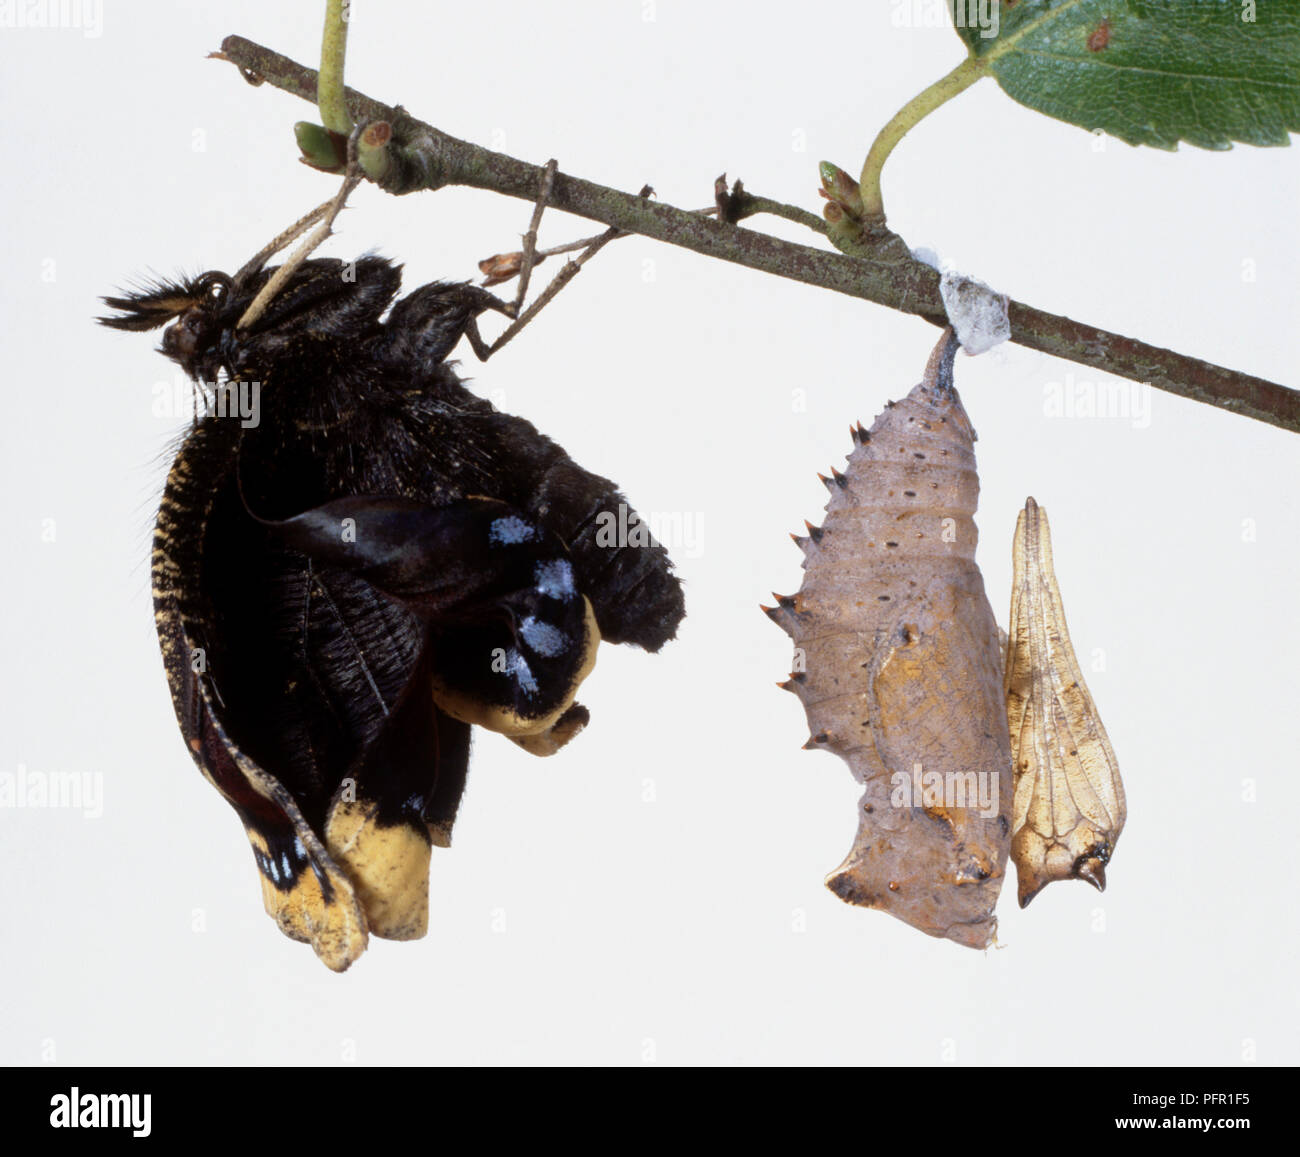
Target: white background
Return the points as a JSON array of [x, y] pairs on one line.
[[653, 894]]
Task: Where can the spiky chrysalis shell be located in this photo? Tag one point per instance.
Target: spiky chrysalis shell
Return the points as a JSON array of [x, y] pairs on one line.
[[899, 667]]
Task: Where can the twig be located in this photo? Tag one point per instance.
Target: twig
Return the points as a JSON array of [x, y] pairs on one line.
[[425, 158]]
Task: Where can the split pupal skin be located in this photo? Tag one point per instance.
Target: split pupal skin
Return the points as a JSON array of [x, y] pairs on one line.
[[899, 668], [1069, 798]]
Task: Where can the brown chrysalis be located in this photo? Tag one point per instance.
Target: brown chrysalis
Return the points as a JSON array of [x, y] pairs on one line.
[[899, 667]]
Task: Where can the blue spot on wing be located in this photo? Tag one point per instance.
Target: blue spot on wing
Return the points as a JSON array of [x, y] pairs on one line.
[[555, 579], [547, 640], [511, 530], [518, 669]]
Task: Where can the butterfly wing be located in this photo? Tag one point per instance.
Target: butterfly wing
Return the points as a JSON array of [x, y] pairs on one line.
[[304, 891], [326, 669], [512, 635], [505, 637]]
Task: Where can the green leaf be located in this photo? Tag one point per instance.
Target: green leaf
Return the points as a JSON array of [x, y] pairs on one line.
[[1150, 72]]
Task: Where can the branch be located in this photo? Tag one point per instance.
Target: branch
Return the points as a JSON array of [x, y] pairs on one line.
[[422, 157]]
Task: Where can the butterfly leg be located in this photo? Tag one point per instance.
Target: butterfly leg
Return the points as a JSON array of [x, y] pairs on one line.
[[528, 257]]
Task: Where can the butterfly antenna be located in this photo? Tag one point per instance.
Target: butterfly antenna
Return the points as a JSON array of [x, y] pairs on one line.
[[324, 214]]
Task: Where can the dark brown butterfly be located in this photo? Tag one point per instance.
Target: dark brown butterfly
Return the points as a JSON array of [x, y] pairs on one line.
[[358, 561]]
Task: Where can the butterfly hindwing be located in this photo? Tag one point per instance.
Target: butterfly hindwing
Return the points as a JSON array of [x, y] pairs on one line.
[[389, 812], [511, 635]]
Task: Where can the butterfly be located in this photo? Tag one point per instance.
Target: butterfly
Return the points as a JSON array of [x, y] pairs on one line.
[[355, 561]]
